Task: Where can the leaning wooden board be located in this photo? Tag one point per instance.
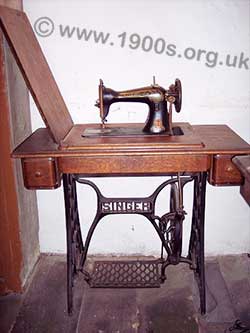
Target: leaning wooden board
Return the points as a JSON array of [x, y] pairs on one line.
[[36, 72]]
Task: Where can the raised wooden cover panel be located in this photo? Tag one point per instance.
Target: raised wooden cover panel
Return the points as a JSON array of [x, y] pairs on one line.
[[36, 72], [75, 140]]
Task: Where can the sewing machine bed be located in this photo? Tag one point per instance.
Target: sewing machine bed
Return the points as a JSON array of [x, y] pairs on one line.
[[121, 131], [128, 135]]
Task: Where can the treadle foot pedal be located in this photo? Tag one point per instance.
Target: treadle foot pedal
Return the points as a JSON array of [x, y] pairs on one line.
[[125, 274]]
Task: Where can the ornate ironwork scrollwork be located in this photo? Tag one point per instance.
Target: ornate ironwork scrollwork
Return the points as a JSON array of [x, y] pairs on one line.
[[168, 227]]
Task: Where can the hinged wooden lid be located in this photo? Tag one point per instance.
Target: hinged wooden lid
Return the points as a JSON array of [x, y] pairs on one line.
[[36, 72]]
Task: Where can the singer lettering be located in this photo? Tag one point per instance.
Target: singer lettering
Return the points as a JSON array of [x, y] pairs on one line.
[[126, 206]]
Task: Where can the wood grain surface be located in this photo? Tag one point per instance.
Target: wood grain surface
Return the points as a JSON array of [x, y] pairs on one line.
[[36, 72], [216, 139]]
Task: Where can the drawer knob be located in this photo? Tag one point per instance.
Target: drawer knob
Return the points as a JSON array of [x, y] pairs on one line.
[[38, 174], [229, 168]]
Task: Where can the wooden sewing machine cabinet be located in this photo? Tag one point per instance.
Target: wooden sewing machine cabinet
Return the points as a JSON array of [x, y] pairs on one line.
[[208, 148], [61, 151]]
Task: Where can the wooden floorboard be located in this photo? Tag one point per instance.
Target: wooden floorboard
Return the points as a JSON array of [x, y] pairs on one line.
[[236, 273], [173, 308], [165, 309], [108, 310], [9, 308], [44, 306], [169, 308]]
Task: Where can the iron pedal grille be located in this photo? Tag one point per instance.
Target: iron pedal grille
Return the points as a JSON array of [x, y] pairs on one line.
[[125, 274]]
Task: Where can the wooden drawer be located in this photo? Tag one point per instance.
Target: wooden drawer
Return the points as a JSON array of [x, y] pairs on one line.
[[224, 172], [41, 173]]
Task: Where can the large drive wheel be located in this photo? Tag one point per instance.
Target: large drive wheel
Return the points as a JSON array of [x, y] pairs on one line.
[[176, 222]]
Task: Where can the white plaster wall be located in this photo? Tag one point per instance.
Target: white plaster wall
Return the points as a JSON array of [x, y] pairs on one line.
[[211, 95]]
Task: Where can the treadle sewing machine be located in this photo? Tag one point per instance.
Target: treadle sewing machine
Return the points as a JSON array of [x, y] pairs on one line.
[[71, 152]]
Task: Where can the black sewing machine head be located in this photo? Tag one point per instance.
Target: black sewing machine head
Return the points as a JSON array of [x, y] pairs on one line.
[[159, 118]]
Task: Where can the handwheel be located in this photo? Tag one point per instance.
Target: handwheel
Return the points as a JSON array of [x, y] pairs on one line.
[[174, 93], [178, 95]]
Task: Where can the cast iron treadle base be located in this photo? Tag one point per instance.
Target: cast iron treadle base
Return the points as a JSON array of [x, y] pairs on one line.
[[125, 274], [138, 274]]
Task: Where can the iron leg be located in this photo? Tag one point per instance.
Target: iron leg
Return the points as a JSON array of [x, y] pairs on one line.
[[196, 245], [75, 246], [67, 179]]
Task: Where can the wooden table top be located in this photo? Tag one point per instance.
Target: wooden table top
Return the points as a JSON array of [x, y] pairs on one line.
[[197, 139]]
